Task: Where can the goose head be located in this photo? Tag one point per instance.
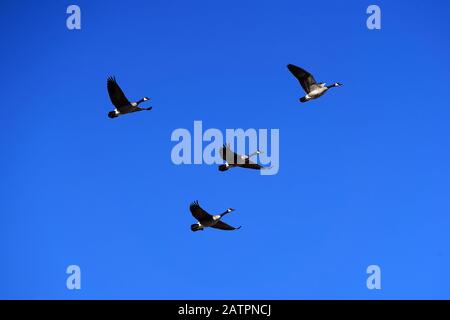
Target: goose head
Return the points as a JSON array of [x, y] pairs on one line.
[[338, 84], [226, 212]]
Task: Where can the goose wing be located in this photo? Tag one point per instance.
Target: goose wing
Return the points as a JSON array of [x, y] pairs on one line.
[[198, 213], [223, 226], [251, 165], [118, 98], [305, 78], [229, 155]]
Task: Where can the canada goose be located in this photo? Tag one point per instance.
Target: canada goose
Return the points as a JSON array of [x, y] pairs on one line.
[[120, 101], [313, 89], [206, 220], [233, 159]]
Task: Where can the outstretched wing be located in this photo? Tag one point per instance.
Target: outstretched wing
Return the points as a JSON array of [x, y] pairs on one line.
[[197, 212], [251, 165], [118, 98], [230, 156], [305, 78], [223, 226]]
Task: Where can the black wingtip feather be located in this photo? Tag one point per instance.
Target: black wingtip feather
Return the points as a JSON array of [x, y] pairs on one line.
[[194, 204], [291, 67]]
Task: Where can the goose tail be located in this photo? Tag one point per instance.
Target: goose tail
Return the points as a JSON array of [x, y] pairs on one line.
[[195, 227], [112, 114]]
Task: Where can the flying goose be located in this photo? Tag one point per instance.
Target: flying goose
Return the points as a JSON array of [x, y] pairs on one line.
[[233, 159], [206, 220], [313, 89], [120, 101]]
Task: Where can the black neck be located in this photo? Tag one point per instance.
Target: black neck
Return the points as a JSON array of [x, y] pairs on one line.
[[222, 214]]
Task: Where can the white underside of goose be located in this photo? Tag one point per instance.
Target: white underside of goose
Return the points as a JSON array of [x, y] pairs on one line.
[[316, 93], [209, 223]]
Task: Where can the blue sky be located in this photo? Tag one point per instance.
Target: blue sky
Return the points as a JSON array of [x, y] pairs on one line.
[[364, 171]]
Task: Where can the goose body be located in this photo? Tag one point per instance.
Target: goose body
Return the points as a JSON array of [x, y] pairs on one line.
[[312, 89], [120, 101], [206, 220], [232, 159]]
